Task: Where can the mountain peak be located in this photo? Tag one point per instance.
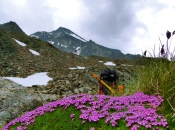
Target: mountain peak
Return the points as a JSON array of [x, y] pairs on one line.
[[12, 27], [63, 30]]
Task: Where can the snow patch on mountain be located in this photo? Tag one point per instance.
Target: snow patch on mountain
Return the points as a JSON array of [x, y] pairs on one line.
[[23, 44], [76, 36], [109, 63], [63, 45], [20, 43], [78, 67], [77, 50], [51, 42], [34, 52], [34, 36], [36, 79]]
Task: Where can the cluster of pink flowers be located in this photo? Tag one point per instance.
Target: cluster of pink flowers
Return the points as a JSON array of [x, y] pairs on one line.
[[131, 108]]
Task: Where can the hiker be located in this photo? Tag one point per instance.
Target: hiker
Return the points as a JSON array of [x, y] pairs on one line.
[[110, 77]]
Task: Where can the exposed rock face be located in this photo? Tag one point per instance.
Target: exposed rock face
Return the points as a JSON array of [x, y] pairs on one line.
[[16, 99]]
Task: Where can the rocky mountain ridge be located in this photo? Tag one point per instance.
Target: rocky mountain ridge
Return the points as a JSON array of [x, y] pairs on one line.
[[68, 41]]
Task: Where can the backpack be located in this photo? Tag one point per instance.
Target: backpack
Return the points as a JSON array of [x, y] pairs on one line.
[[109, 75]]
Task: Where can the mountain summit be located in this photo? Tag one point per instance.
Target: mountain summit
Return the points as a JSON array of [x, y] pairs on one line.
[[69, 41], [11, 27]]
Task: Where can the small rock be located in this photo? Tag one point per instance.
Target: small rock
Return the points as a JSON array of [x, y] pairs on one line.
[[76, 84], [86, 89], [89, 92], [67, 82], [46, 91], [70, 76], [54, 91], [76, 91], [48, 87], [72, 88], [53, 97], [81, 90], [4, 115]]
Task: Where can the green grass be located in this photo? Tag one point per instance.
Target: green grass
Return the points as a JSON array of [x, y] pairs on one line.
[[156, 77], [60, 120]]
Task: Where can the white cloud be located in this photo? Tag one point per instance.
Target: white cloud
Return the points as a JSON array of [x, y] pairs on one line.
[[66, 13], [125, 25], [157, 23]]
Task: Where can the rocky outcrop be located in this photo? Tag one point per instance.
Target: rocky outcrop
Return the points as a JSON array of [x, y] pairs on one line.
[[15, 99]]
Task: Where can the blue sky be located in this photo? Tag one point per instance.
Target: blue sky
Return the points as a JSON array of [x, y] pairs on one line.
[[129, 25]]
